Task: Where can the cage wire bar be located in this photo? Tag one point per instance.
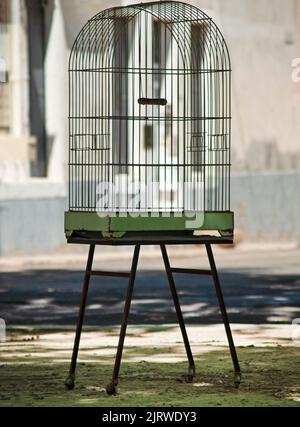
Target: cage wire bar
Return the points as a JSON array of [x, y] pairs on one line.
[[150, 112]]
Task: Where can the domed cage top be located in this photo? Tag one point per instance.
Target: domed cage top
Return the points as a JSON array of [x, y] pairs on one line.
[[149, 123]]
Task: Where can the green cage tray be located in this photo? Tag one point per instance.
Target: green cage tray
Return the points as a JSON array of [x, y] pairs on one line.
[[118, 225]]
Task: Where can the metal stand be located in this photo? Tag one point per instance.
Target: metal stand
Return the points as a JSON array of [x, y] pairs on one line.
[[112, 386], [192, 368], [70, 381], [234, 357]]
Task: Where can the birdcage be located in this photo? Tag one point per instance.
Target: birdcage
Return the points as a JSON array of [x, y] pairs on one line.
[[149, 123], [150, 129]]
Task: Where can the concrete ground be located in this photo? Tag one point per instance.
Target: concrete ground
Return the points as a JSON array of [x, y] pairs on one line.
[[261, 286], [158, 345], [39, 299]]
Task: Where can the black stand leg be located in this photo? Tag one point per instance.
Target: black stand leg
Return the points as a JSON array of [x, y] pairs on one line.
[[192, 369], [237, 378], [111, 387], [70, 381]]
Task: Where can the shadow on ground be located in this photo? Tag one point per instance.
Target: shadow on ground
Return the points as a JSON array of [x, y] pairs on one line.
[[51, 297]]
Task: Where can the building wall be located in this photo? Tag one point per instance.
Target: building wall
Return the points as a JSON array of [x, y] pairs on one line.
[[31, 209], [263, 37], [267, 207], [31, 218], [15, 141]]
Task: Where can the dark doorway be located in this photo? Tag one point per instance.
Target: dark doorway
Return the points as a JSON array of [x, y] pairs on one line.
[[36, 42]]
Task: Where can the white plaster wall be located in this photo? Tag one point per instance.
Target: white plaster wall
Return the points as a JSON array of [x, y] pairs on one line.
[[14, 148], [78, 12], [56, 95], [263, 38]]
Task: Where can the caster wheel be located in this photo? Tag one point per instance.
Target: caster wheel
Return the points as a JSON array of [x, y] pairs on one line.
[[237, 380], [111, 389], [189, 378], [70, 383]]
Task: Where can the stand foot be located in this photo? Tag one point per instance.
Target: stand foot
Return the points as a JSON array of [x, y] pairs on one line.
[[70, 382], [111, 389], [237, 380], [189, 378]]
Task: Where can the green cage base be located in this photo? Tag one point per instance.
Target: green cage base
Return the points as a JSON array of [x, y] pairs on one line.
[[118, 225]]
